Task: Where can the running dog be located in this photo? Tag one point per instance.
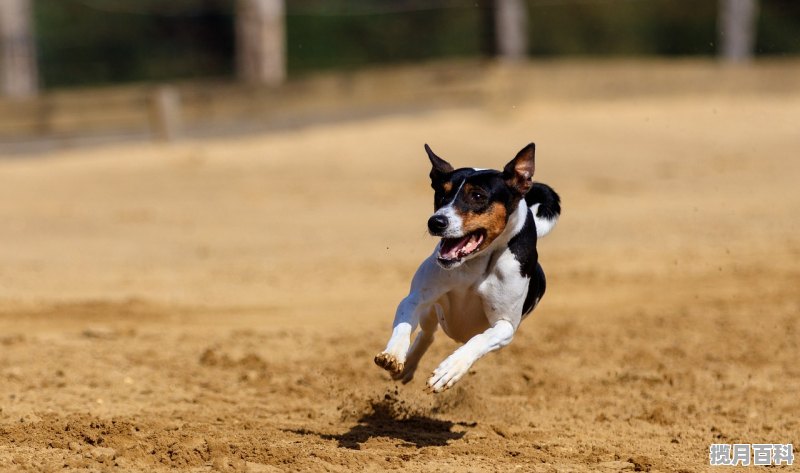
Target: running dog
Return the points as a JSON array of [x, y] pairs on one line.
[[484, 276]]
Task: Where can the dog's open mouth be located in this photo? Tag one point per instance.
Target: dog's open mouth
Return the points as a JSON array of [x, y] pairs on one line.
[[452, 250]]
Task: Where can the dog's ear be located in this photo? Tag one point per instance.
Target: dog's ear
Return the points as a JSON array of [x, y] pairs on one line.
[[518, 173], [440, 166]]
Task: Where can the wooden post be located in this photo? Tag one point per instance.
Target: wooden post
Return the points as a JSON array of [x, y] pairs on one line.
[[511, 20], [261, 42], [736, 27], [165, 114], [19, 74]]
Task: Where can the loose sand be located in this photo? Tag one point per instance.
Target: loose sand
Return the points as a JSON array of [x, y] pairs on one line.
[[217, 304]]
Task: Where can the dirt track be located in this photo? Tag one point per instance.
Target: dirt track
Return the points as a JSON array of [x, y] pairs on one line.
[[216, 305]]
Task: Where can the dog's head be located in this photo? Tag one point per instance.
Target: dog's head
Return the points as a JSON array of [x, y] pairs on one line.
[[472, 206]]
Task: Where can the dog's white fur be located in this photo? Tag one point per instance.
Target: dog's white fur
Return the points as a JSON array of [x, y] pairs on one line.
[[455, 227], [486, 289], [543, 225]]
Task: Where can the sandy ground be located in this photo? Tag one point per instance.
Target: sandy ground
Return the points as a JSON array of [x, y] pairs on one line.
[[215, 305]]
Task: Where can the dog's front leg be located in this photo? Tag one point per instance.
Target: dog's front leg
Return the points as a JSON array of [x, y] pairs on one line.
[[427, 286], [427, 327], [406, 319], [458, 364]]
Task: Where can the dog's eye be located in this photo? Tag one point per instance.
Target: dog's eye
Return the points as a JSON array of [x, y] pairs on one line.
[[477, 196]]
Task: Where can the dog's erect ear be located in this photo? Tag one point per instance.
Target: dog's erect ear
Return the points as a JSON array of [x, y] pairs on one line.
[[440, 166], [518, 173]]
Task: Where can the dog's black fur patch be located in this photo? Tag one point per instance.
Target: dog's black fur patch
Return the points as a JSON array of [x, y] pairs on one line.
[[489, 181], [550, 202], [523, 247], [536, 290]]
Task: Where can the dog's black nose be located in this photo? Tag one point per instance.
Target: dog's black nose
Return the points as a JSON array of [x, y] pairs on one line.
[[437, 223]]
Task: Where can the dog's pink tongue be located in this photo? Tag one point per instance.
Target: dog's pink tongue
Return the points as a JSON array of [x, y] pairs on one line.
[[471, 244], [450, 247], [455, 248]]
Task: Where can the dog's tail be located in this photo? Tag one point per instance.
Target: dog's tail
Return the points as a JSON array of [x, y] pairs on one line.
[[545, 206]]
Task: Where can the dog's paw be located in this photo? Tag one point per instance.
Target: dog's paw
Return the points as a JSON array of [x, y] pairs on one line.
[[390, 363], [449, 372]]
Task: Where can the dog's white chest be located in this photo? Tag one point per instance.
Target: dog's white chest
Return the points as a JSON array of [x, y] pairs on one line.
[[462, 315]]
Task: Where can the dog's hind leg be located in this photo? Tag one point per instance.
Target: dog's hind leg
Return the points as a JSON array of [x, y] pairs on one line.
[[427, 323]]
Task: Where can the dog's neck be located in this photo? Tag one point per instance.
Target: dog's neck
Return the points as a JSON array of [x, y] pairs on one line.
[[514, 225]]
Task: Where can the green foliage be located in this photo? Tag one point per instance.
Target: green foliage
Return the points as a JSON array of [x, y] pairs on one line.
[[664, 27], [344, 41], [779, 27], [105, 41]]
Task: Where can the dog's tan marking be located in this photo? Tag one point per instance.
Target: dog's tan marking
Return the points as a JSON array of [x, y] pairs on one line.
[[493, 221]]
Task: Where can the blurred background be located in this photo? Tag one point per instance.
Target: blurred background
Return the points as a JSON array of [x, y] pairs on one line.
[[209, 210], [248, 65]]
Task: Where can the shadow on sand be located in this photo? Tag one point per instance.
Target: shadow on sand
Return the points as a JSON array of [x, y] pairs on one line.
[[384, 421]]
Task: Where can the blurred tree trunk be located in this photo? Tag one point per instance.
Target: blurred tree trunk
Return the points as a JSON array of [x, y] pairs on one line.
[[511, 20], [17, 50], [736, 26], [260, 41]]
